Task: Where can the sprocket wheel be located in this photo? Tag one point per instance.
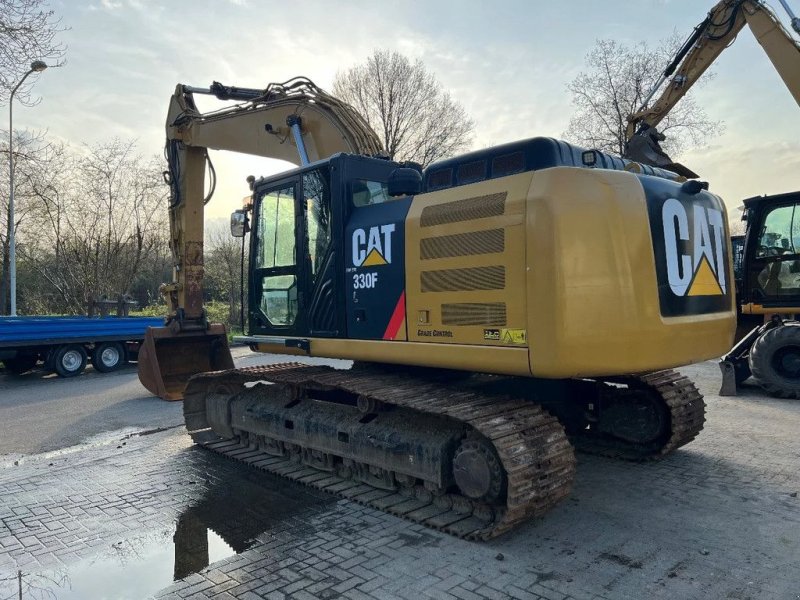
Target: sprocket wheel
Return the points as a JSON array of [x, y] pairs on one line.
[[478, 472]]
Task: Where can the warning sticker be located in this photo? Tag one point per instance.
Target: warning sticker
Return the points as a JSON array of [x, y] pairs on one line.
[[506, 336], [513, 336]]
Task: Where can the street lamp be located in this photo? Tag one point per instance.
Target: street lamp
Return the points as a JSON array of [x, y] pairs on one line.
[[37, 66]]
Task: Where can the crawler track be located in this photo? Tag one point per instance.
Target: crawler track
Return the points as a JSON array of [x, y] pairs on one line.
[[684, 404], [537, 459]]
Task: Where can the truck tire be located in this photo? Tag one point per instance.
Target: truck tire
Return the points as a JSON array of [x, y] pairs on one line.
[[742, 371], [775, 361], [20, 364], [69, 360], [108, 356]]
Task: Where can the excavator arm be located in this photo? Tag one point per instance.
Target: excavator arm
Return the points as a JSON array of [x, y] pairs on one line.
[[294, 121], [708, 40]]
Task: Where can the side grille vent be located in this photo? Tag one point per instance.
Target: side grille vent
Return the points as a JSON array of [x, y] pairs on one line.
[[508, 164], [471, 172], [455, 280], [463, 244], [440, 179], [474, 313], [479, 207]]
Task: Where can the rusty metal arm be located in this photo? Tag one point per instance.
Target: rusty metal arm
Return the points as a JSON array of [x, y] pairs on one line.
[[719, 29]]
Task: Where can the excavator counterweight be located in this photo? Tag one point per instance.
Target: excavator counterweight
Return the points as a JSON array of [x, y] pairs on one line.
[[768, 336]]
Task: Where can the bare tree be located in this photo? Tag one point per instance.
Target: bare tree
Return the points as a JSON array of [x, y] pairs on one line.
[[99, 227], [616, 83], [407, 107], [223, 269], [35, 159], [28, 32]]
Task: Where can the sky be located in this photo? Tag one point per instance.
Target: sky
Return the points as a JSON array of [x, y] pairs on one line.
[[508, 62]]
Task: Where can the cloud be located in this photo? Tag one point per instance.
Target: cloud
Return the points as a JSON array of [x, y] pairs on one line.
[[508, 63], [106, 5]]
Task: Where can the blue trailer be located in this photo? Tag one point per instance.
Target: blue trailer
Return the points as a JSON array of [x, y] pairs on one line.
[[65, 344]]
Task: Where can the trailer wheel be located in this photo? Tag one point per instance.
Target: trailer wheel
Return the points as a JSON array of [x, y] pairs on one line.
[[69, 360], [775, 361], [108, 356], [20, 364]]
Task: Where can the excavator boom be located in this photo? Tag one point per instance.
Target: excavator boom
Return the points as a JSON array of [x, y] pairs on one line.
[[294, 121], [708, 40]]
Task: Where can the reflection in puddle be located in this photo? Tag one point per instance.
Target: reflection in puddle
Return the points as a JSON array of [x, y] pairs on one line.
[[196, 546], [226, 521], [131, 569]]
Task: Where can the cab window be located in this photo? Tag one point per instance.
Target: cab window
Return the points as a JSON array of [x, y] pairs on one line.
[[276, 229], [778, 247], [276, 257], [781, 232], [366, 193], [316, 189]]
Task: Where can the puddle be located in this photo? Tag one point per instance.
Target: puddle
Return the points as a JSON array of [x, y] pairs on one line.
[[230, 516], [130, 569]]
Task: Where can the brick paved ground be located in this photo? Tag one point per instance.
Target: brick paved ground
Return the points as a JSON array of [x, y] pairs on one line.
[[719, 519]]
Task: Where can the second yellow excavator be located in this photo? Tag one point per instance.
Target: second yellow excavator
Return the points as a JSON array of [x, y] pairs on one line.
[[767, 256], [502, 307]]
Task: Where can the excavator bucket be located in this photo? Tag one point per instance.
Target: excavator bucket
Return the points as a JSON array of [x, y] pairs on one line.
[[644, 148], [167, 359]]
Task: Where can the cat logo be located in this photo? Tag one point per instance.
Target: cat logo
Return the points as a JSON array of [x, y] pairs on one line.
[[373, 247], [695, 255]]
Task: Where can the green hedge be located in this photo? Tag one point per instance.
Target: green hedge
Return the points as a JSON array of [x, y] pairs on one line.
[[217, 313]]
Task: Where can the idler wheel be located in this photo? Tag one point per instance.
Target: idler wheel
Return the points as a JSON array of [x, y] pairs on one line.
[[477, 471], [637, 416]]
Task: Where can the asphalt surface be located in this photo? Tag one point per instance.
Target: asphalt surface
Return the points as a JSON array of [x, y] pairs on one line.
[[41, 412]]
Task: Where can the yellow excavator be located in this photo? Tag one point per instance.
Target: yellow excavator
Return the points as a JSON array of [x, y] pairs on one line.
[[766, 260], [502, 307]]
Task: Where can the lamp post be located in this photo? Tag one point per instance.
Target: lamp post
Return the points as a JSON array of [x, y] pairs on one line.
[[37, 66]]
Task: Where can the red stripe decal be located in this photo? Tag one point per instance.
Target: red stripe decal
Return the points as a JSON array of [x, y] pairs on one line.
[[397, 318]]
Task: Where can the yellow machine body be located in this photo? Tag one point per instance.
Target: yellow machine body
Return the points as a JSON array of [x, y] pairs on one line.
[[550, 273]]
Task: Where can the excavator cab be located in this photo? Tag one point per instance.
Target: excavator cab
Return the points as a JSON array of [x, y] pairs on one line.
[[767, 269], [300, 220], [304, 224]]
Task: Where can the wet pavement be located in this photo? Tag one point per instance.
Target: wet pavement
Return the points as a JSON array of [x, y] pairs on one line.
[[97, 523], [138, 516]]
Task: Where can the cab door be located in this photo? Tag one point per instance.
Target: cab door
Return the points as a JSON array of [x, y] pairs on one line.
[[773, 269], [276, 298]]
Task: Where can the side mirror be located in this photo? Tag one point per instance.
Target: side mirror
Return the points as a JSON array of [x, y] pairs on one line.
[[239, 223], [404, 181]]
